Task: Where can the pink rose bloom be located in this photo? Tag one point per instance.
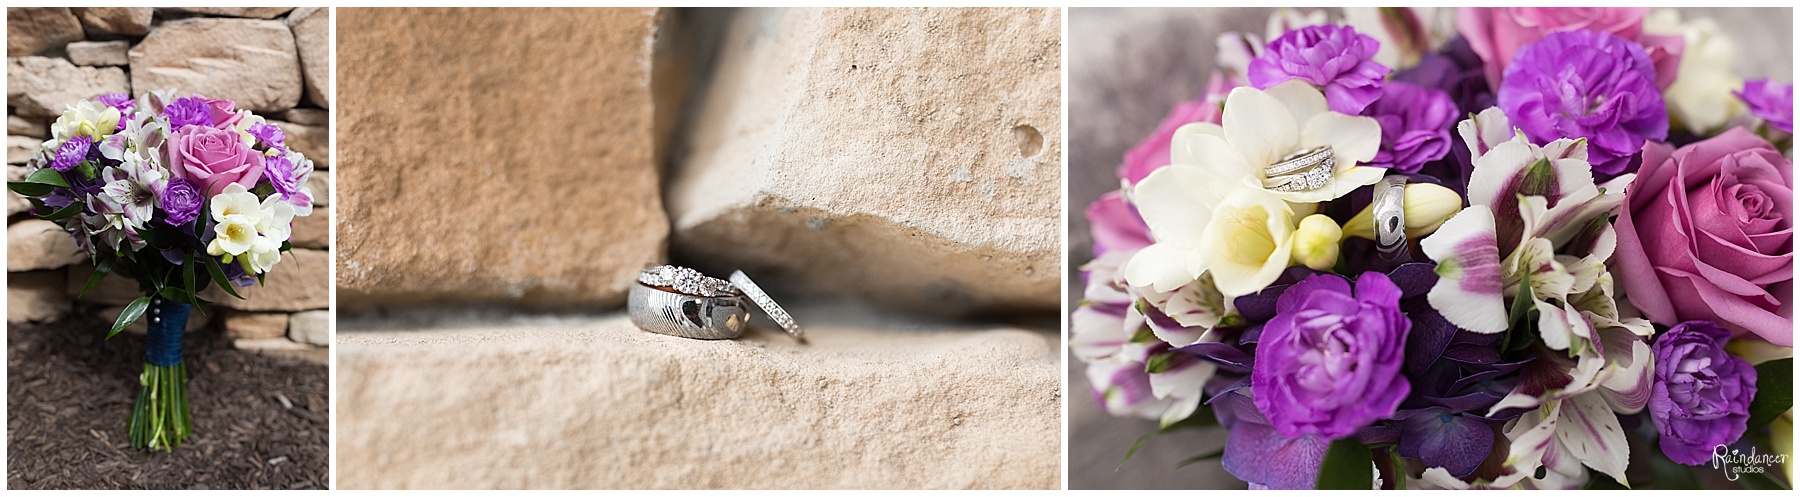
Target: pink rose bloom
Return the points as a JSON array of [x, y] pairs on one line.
[[1704, 235], [213, 158], [1153, 153], [1496, 33], [224, 112]]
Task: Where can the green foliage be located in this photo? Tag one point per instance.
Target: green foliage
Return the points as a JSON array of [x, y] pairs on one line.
[[1774, 392], [1346, 467]]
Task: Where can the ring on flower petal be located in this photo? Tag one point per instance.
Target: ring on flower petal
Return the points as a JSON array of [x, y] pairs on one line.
[[682, 302], [1389, 213], [775, 312], [1301, 171]]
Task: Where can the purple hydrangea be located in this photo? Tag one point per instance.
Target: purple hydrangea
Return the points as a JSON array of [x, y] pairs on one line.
[[181, 199], [280, 172], [1700, 396], [1772, 102], [270, 135], [1329, 362], [1334, 58], [71, 153], [1586, 84], [1415, 126], [188, 110]]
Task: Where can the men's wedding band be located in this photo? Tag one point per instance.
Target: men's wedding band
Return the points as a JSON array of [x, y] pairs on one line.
[[682, 302], [1389, 212]]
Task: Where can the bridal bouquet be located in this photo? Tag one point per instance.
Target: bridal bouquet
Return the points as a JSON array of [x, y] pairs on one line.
[[1488, 248], [177, 193]]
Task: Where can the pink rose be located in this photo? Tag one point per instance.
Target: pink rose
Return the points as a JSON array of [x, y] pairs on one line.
[[213, 158], [223, 112], [1496, 33], [1153, 153], [1704, 235]]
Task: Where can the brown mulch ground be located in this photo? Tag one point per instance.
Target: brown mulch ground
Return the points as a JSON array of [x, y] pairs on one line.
[[70, 394]]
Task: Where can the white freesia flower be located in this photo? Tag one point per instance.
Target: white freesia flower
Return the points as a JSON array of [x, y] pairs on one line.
[[235, 200], [87, 117], [1203, 218], [1701, 98], [275, 221], [262, 256], [235, 235], [1263, 126]]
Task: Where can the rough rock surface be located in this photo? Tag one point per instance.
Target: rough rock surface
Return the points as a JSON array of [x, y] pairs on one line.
[[300, 282], [540, 136], [596, 403], [43, 86], [312, 141], [311, 117], [321, 189], [39, 30], [312, 35], [908, 156], [20, 126], [19, 149], [253, 12], [113, 289], [313, 232], [257, 68], [35, 244], [99, 53], [310, 327], [35, 296], [127, 21], [255, 325]]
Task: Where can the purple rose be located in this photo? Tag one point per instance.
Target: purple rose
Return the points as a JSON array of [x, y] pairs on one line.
[[1700, 397], [1329, 362], [1586, 84], [1415, 126], [181, 200], [1334, 58], [270, 135], [188, 111], [1772, 102], [1704, 234], [71, 153]]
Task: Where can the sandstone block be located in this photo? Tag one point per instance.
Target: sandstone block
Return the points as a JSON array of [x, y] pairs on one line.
[[312, 34], [39, 30], [250, 62], [482, 174], [43, 86], [321, 188], [312, 141], [19, 149], [35, 244], [113, 289], [310, 327], [310, 117], [856, 407], [300, 282], [196, 320], [99, 53], [907, 156], [35, 296], [252, 12], [20, 126], [254, 325], [313, 232], [126, 21]]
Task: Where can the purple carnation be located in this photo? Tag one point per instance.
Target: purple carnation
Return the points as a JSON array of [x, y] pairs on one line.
[[1415, 126], [1586, 84], [1334, 58], [280, 172], [1700, 396], [188, 110], [71, 153], [181, 200], [270, 135], [1771, 101], [117, 101], [1329, 362]]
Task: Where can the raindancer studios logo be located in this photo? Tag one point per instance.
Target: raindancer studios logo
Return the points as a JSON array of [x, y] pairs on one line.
[[1737, 463]]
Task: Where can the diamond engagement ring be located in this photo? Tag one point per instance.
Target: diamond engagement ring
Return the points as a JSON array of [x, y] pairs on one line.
[[768, 305], [1301, 171], [679, 301]]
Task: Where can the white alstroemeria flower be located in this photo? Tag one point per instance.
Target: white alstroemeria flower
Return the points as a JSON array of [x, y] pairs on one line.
[[235, 200], [1701, 98], [1263, 126], [130, 190], [1196, 306], [1123, 388], [302, 200], [1180, 378], [87, 117], [236, 233]]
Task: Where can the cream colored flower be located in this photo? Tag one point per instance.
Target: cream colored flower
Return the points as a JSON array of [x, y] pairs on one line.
[[235, 235], [1316, 242], [235, 200], [87, 117], [1205, 218], [1262, 127], [1701, 98]]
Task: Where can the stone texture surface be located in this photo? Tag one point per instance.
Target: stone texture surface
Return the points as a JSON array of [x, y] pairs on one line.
[[196, 320], [312, 117], [251, 62], [21, 126], [300, 282], [539, 136], [321, 188], [310, 327], [35, 296], [313, 232], [592, 402], [312, 141], [908, 156], [253, 12], [99, 53], [39, 30], [43, 86], [113, 289], [254, 325], [127, 21], [19, 149], [312, 35], [35, 244]]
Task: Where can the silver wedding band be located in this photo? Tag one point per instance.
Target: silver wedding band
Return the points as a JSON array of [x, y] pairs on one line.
[[1389, 211], [1300, 171], [679, 301], [768, 305]]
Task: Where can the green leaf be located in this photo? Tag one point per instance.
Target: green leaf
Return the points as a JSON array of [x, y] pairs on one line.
[[100, 270], [28, 189], [218, 276], [133, 311], [1201, 417], [66, 212], [1669, 475], [1774, 392], [187, 277], [1202, 457], [1346, 466], [47, 176]]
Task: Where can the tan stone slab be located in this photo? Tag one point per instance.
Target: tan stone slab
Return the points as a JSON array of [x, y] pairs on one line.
[[250, 62], [300, 282], [313, 232], [127, 21], [496, 155], [44, 86], [35, 244], [907, 156], [312, 36], [99, 53], [241, 325], [35, 296], [595, 403], [39, 30]]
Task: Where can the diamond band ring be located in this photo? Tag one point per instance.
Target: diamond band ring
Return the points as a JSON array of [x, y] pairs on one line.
[[1301, 171], [679, 301], [768, 305]]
